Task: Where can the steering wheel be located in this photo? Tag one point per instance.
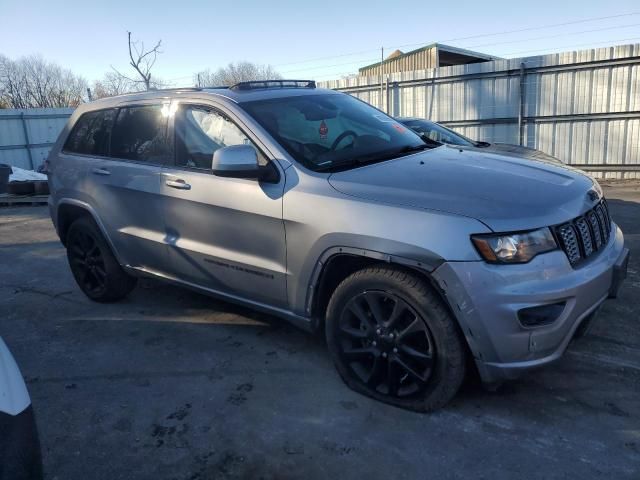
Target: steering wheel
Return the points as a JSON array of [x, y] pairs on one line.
[[342, 136]]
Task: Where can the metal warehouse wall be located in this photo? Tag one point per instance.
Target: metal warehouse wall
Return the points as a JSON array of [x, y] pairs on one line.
[[26, 136], [582, 107], [416, 60]]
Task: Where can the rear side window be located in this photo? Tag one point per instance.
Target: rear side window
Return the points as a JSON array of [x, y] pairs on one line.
[[90, 134], [140, 133]]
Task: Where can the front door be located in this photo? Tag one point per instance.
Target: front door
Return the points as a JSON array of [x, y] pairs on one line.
[[225, 234]]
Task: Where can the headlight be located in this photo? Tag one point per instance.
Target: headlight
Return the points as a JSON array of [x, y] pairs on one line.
[[514, 247]]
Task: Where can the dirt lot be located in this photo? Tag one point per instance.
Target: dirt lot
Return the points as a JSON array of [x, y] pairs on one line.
[[170, 384]]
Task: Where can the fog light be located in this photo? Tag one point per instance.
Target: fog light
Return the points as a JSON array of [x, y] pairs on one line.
[[541, 315]]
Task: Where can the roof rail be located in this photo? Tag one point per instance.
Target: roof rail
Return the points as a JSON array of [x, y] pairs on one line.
[[256, 84]]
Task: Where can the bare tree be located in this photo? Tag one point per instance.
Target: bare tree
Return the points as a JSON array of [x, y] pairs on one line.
[[235, 73], [112, 84], [32, 82], [142, 61]]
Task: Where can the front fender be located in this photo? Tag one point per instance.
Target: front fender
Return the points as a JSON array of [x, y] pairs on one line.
[[319, 221], [358, 246]]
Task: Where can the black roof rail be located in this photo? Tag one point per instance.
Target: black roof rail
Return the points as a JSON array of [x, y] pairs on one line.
[[256, 84]]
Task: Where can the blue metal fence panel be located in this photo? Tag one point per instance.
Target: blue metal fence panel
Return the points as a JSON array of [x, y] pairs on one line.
[[26, 135]]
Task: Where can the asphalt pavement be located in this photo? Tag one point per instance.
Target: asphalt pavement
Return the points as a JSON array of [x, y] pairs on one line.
[[171, 384]]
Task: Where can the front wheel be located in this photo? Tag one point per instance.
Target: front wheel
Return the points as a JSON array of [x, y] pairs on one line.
[[392, 339]]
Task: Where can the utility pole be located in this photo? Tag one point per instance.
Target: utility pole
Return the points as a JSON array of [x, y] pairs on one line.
[[381, 76], [521, 109], [89, 94], [199, 85]]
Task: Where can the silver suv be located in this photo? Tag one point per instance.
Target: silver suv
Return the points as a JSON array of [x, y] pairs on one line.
[[418, 263]]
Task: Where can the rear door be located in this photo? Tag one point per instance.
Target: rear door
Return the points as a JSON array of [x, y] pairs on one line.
[[225, 234], [88, 141], [125, 184]]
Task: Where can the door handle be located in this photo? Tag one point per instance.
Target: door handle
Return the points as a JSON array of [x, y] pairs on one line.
[[101, 171], [178, 183]]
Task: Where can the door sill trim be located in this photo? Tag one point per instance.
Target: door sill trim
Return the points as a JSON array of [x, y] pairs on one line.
[[305, 323]]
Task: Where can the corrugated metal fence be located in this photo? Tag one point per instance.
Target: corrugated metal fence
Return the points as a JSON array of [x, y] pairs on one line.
[[582, 107], [26, 136]]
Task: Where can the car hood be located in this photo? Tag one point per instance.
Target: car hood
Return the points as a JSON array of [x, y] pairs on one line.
[[519, 151], [505, 193]]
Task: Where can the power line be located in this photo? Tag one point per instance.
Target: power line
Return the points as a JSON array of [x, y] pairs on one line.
[[614, 27], [327, 58], [540, 27], [608, 42], [472, 46], [528, 29], [574, 45], [369, 60]]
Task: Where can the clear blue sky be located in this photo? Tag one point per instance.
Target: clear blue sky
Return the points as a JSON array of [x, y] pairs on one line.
[[332, 38]]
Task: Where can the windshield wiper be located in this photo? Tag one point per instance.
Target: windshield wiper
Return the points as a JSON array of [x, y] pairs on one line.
[[414, 148], [373, 157]]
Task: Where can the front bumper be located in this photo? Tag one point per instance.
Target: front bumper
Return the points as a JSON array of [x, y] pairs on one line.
[[486, 300]]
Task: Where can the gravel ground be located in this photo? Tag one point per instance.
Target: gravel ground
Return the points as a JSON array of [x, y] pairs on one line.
[[170, 384]]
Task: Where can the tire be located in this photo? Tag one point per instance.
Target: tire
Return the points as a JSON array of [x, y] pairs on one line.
[[95, 269], [21, 187], [392, 339], [41, 187]]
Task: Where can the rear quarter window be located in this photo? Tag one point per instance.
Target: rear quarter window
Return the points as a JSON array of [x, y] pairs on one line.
[[90, 135]]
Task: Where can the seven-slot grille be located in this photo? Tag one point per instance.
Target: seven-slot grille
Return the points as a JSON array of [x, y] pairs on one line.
[[585, 235]]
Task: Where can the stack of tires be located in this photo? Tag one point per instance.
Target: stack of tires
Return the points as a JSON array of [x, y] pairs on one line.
[[20, 187], [5, 172]]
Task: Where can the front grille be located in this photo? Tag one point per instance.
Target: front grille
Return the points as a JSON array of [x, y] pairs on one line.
[[585, 235]]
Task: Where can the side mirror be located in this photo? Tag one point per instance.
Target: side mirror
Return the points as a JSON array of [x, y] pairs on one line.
[[239, 161]]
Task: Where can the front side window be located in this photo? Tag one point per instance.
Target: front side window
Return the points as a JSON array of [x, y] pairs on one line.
[[200, 132], [90, 135], [140, 133], [333, 131]]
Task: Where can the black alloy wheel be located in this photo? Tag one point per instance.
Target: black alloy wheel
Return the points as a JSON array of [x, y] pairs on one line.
[[386, 344], [87, 263], [392, 338], [93, 264]]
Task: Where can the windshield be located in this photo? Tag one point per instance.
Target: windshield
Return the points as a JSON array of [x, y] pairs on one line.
[[438, 133], [331, 132]]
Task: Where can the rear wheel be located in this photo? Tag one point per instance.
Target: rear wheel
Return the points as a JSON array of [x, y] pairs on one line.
[[93, 265], [392, 339]]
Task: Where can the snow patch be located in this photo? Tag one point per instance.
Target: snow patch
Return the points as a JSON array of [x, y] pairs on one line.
[[20, 175]]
